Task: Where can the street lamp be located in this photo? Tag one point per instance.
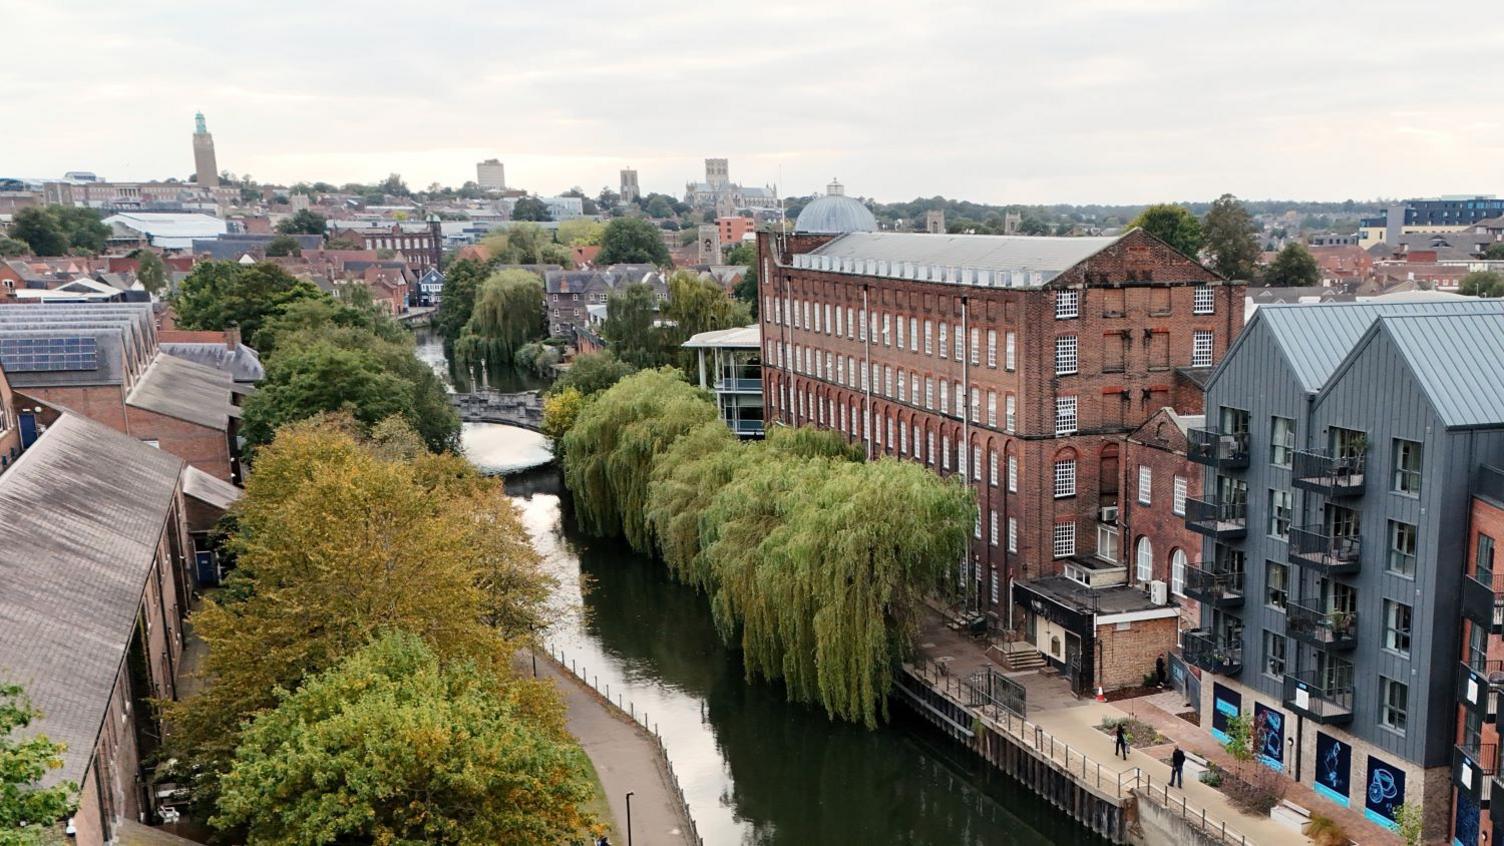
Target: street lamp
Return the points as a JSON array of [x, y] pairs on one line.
[[630, 794]]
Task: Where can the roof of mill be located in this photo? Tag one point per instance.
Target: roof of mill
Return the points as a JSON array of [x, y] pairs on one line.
[[740, 337], [84, 508], [209, 489], [243, 364], [179, 388], [1317, 337], [989, 252], [1450, 355], [835, 213]]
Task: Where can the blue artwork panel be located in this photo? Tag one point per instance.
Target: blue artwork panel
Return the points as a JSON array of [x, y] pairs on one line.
[[1225, 703], [1385, 793], [1466, 828], [1272, 725], [1334, 764]]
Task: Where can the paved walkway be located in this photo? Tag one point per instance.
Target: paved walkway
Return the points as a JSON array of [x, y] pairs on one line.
[[625, 759]]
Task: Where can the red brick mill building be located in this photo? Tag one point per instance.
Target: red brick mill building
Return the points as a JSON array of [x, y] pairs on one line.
[[1022, 364]]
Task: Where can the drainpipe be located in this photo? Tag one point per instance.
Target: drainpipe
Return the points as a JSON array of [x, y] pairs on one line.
[[967, 347], [867, 378]]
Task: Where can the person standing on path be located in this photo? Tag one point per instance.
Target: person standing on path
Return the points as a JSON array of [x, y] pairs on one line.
[[1120, 742], [1177, 768]]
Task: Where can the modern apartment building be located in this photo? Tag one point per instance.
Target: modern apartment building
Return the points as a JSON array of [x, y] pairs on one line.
[[1341, 443], [1477, 782], [1020, 364], [730, 365]]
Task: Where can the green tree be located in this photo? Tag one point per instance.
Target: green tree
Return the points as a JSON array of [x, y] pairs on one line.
[[461, 280], [394, 186], [28, 811], [85, 230], [508, 313], [322, 377], [745, 254], [1294, 267], [632, 240], [529, 243], [531, 208], [283, 245], [580, 232], [394, 746], [631, 326], [336, 544], [151, 271], [304, 222], [560, 410], [224, 293], [1411, 820], [1229, 236], [592, 373], [10, 247], [1175, 225], [1494, 251], [659, 207], [41, 231], [1482, 283]]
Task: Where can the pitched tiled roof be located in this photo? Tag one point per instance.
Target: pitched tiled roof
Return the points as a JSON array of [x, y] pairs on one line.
[[179, 388], [84, 509]]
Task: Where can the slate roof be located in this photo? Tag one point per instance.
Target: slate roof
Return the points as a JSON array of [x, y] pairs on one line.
[[210, 490], [1317, 337], [1455, 359], [243, 364], [988, 252], [84, 508], [179, 388]]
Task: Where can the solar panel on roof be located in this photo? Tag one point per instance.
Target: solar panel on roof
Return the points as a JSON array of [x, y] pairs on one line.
[[36, 355]]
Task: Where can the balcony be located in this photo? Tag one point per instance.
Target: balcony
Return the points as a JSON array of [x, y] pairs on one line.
[[1475, 680], [1483, 599], [1211, 653], [747, 428], [1219, 589], [1220, 520], [1331, 555], [1214, 449], [1327, 629], [1472, 763], [1328, 474], [732, 385], [1317, 699]]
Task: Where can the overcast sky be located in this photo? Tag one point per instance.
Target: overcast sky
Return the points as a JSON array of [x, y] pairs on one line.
[[1116, 101]]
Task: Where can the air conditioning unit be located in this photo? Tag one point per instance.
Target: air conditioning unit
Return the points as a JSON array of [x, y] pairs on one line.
[[1107, 514], [1159, 593]]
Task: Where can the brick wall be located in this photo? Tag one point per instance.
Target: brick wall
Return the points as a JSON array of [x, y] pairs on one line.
[[1126, 655], [1160, 445], [1485, 518]]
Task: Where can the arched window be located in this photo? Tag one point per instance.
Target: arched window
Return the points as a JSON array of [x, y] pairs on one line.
[[1177, 571], [1145, 558]]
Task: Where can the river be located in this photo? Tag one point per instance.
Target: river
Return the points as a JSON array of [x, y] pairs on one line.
[[755, 768]]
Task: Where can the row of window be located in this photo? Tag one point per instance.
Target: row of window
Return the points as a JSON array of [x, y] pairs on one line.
[[1406, 455], [1333, 673], [893, 331], [1068, 302], [1068, 359]]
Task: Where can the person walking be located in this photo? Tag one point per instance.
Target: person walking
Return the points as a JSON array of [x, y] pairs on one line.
[[1120, 742], [1159, 670], [1177, 768]]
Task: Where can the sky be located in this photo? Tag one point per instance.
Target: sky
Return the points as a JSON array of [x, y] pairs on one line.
[[1070, 101]]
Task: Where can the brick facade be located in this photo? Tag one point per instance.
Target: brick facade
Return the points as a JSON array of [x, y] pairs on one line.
[[1158, 526], [204, 447], [1138, 309], [1126, 651], [1486, 520]]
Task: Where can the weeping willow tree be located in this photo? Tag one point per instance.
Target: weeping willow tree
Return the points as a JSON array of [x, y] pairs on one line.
[[508, 313], [610, 451], [685, 479]]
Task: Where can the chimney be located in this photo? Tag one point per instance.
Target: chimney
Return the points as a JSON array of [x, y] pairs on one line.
[[232, 338]]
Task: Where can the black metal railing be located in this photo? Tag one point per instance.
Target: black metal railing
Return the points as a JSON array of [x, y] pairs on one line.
[[1217, 519], [1211, 653], [1318, 698], [1483, 597], [1329, 473], [1220, 588], [1316, 547], [1213, 448], [1333, 628]]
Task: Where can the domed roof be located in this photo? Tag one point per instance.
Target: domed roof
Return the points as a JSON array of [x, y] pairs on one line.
[[835, 214]]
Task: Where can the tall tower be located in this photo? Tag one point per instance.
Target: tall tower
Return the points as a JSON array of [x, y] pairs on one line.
[[717, 173], [491, 175], [204, 165], [629, 191]]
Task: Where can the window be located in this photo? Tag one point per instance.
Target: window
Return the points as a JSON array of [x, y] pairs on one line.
[[976, 345], [961, 458], [960, 397], [1279, 514], [839, 330], [1145, 484], [887, 327], [1067, 359], [976, 405], [900, 333], [976, 463], [1012, 534], [1013, 474], [913, 334], [1065, 478], [929, 337], [1407, 466], [1205, 301], [1107, 542], [1177, 572], [1397, 627], [929, 392], [851, 323], [1483, 560], [1144, 558], [903, 438], [977, 531], [960, 344], [994, 574], [992, 473], [1281, 441], [1010, 415], [1401, 560], [929, 448], [1276, 584], [1010, 347], [1177, 498], [992, 348], [1067, 304], [992, 409], [903, 387], [944, 396], [1274, 654], [1065, 415], [887, 380], [1064, 540], [1201, 348], [1394, 700], [992, 531], [944, 340], [945, 452]]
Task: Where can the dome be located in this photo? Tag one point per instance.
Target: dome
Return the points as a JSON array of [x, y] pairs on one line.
[[834, 214]]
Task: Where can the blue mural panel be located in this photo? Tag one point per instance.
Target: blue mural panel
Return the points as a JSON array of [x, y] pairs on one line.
[[1465, 831], [1334, 765], [1225, 703], [1385, 794], [1272, 751]]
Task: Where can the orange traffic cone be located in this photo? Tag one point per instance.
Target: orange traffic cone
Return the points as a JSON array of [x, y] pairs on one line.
[[1101, 697]]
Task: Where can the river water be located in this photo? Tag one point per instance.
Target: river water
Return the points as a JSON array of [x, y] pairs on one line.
[[755, 768]]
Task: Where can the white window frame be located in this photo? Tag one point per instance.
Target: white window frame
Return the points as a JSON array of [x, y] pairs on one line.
[[992, 541], [1067, 415], [1012, 534], [1010, 413], [1067, 304], [1145, 484], [1178, 494], [1010, 352], [1178, 563], [1143, 560], [992, 409], [1203, 347], [1204, 300], [1067, 356], [1063, 540], [1065, 478], [929, 337], [1012, 474], [944, 348], [992, 348]]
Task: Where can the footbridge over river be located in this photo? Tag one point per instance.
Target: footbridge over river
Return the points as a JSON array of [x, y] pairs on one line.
[[524, 410]]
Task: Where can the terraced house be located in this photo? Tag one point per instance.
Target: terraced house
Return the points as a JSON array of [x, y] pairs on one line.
[[1021, 365], [1343, 444]]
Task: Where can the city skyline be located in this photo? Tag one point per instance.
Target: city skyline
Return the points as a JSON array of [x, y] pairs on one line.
[[1096, 102]]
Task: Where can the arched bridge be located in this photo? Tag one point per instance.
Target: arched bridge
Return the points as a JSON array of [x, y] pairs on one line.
[[524, 410]]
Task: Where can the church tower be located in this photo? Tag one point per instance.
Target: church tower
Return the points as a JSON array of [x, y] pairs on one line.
[[204, 164]]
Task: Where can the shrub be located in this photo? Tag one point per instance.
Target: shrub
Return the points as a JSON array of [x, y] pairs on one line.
[[1325, 831]]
